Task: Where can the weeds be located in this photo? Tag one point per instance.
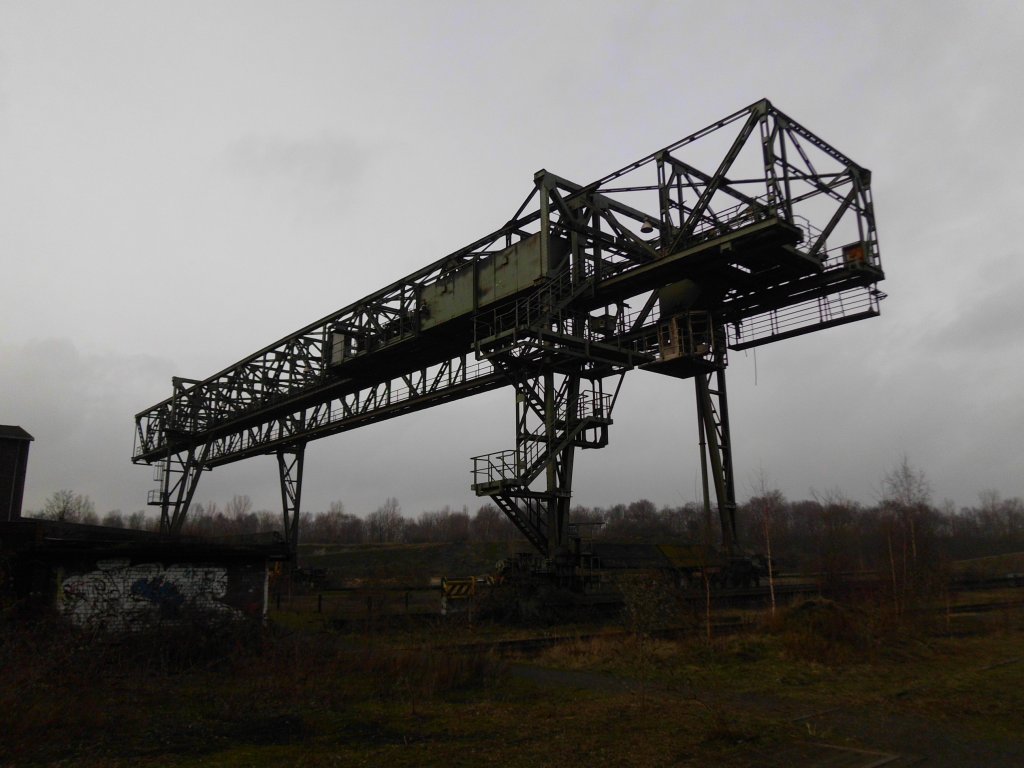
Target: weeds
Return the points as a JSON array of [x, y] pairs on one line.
[[187, 692], [318, 698], [822, 631], [423, 675]]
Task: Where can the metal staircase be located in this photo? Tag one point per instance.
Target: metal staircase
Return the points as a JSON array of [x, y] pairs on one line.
[[520, 466], [557, 358], [551, 424]]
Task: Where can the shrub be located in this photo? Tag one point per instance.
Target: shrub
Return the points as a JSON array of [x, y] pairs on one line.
[[823, 631], [419, 675]]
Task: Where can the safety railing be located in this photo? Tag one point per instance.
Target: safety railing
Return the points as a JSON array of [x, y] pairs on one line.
[[822, 311], [530, 311], [520, 465], [362, 404]]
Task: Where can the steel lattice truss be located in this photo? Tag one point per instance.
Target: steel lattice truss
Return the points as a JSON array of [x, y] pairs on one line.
[[753, 226]]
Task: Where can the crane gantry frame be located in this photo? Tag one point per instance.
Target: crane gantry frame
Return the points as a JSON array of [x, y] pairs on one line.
[[777, 241]]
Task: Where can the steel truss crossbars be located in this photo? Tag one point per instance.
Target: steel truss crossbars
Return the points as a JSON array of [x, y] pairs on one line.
[[779, 229]]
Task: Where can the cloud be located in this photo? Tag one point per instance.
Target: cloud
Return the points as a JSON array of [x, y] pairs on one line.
[[988, 317], [221, 197], [303, 184], [79, 406], [325, 161]]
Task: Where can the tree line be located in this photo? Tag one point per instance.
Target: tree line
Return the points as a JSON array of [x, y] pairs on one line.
[[829, 533]]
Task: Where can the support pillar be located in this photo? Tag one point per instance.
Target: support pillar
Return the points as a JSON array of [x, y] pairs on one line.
[[716, 451], [289, 463], [180, 477]]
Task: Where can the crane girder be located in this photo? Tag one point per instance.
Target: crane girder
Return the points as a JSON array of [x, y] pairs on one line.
[[778, 240]]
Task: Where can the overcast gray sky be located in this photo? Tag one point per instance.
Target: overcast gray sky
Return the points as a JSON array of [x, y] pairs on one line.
[[182, 183]]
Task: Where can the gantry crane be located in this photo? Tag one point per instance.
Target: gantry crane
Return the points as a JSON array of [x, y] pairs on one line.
[[749, 231]]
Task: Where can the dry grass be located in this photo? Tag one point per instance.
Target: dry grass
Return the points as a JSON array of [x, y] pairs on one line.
[[315, 698], [994, 566], [89, 700]]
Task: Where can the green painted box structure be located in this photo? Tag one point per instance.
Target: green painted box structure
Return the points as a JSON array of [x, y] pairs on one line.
[[456, 295], [500, 276]]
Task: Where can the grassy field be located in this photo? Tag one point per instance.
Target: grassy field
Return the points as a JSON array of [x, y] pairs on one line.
[[994, 566], [825, 678], [410, 564]]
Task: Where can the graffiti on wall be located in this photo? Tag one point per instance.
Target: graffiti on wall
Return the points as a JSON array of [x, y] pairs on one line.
[[119, 596]]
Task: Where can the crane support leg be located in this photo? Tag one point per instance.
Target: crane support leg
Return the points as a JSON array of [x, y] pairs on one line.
[[179, 477], [289, 463], [560, 452], [716, 452]]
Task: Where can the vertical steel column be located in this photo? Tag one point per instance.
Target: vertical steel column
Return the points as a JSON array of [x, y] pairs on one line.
[[554, 538], [289, 464], [555, 514], [176, 494], [703, 442], [561, 429], [728, 476], [716, 450]]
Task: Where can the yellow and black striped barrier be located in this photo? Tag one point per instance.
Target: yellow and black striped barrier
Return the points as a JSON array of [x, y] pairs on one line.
[[459, 588]]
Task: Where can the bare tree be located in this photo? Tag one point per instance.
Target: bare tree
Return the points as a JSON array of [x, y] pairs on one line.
[[906, 505], [69, 507], [766, 506], [238, 507], [486, 524], [352, 530], [267, 520], [113, 519], [137, 520], [1004, 516], [334, 526], [836, 539], [386, 522]]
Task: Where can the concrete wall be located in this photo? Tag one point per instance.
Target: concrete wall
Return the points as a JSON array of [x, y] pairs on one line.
[[119, 580], [120, 595]]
